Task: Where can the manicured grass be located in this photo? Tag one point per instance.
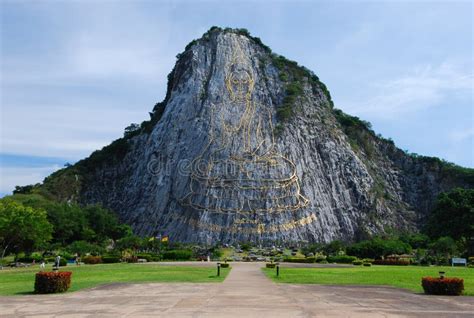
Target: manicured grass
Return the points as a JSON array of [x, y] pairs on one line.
[[21, 280], [398, 276]]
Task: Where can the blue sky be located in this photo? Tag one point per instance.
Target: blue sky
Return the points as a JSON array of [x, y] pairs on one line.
[[74, 74]]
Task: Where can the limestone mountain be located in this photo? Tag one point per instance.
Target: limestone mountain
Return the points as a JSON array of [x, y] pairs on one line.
[[247, 146]]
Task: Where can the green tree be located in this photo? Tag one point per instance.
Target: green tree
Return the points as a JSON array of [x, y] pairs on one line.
[[132, 242], [68, 220], [453, 215], [102, 222], [443, 249], [416, 240], [131, 130], [22, 228], [334, 248], [72, 222], [378, 247], [82, 248]]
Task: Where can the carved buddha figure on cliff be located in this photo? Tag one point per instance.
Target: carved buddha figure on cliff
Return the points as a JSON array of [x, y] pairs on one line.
[[240, 171]]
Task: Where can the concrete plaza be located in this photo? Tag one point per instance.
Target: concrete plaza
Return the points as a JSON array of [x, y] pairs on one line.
[[245, 293]]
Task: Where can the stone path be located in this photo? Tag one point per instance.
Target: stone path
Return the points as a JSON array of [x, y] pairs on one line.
[[245, 293]]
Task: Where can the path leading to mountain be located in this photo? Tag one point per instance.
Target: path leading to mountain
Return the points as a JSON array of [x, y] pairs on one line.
[[245, 293]]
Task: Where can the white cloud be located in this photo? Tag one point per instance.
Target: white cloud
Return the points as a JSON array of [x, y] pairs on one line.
[[425, 87], [96, 76], [63, 131], [13, 176], [461, 134]]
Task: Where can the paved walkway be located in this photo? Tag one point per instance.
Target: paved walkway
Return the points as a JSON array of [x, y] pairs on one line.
[[245, 293]]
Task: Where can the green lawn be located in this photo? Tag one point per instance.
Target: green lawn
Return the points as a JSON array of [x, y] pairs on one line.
[[398, 276], [21, 281]]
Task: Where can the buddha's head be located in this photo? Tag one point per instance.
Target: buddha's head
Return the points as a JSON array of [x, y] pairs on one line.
[[239, 81]]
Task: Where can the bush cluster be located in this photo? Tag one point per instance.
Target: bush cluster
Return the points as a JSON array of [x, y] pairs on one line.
[[92, 259], [62, 261], [344, 259], [149, 257], [391, 262], [442, 286], [299, 260], [224, 265], [111, 259], [52, 282], [270, 265], [178, 255]]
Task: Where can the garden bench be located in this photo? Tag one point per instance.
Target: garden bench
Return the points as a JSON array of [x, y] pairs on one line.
[[456, 260]]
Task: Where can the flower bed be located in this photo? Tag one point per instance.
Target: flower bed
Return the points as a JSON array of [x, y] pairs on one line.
[[443, 286], [52, 282]]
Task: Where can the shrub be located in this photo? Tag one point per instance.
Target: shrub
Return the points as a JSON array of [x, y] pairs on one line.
[[391, 262], [357, 262], [224, 265], [52, 282], [178, 255], [149, 257], [270, 265], [442, 286], [49, 259], [246, 247], [92, 260], [111, 259], [378, 247], [66, 255], [344, 259], [367, 264], [29, 259], [131, 259], [62, 261], [299, 260]]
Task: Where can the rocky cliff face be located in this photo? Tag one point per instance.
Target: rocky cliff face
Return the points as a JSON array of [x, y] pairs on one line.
[[247, 147]]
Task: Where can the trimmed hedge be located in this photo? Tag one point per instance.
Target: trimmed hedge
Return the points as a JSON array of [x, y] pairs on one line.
[[111, 259], [299, 260], [52, 282], [149, 257], [357, 262], [270, 265], [224, 265], [344, 259], [92, 260], [403, 262], [178, 255], [367, 264], [442, 286]]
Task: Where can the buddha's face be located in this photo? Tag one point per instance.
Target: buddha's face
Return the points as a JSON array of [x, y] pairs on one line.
[[239, 83]]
